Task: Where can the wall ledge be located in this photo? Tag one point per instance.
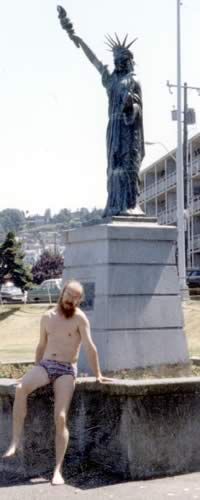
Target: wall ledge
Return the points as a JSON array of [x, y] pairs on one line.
[[135, 428], [119, 387]]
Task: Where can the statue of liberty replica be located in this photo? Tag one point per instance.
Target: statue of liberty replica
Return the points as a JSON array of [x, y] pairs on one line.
[[136, 300], [125, 139]]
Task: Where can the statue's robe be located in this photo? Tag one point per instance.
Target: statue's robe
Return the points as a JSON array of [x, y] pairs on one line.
[[125, 142]]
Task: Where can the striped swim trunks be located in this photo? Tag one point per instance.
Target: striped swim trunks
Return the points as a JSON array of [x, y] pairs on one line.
[[56, 369]]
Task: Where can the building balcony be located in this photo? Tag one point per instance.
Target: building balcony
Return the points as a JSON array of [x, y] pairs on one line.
[[171, 180], [168, 217], [165, 184], [196, 167], [196, 243], [149, 193], [195, 205], [155, 189]]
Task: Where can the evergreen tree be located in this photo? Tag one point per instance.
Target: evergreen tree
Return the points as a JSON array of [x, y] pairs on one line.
[[12, 264], [48, 266]]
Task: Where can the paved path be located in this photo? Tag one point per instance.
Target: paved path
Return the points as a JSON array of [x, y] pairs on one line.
[[185, 487]]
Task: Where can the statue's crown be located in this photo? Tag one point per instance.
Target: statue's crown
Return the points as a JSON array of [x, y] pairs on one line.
[[120, 49]]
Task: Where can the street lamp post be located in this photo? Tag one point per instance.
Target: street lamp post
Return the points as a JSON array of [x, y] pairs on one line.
[[179, 167]]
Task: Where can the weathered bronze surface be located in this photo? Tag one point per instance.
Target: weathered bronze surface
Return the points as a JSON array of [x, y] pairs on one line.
[[125, 139]]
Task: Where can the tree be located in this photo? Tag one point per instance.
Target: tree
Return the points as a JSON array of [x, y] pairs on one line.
[[12, 219], [12, 265], [48, 266], [63, 216]]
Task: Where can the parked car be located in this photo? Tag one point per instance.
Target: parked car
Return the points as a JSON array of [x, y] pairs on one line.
[[11, 293], [47, 291], [193, 278]]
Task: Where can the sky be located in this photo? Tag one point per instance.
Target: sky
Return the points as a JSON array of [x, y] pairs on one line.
[[53, 107]]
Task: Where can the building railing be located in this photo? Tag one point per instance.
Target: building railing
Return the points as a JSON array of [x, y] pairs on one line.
[[171, 180], [195, 205], [195, 167], [160, 185], [168, 217], [157, 188], [166, 183], [149, 193], [171, 215], [196, 242]]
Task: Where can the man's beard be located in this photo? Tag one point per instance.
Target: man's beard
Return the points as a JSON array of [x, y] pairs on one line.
[[68, 311]]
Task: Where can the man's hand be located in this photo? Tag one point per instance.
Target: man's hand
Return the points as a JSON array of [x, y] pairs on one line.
[[102, 379]]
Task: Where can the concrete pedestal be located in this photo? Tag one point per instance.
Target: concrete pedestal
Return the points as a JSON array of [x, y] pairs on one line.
[[134, 305]]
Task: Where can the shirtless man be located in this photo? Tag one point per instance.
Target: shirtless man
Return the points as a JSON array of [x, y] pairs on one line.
[[62, 331]]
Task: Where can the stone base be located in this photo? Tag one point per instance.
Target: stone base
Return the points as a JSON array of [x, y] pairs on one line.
[[133, 218], [137, 212], [128, 266], [133, 429], [137, 216]]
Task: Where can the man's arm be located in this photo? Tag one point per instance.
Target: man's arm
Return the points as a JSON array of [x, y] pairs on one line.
[[89, 346], [42, 342]]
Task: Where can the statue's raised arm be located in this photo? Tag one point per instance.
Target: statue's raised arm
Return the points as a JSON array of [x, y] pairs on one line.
[[68, 27]]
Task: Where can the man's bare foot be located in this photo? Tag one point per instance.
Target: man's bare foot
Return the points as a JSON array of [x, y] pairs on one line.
[[11, 451], [57, 478]]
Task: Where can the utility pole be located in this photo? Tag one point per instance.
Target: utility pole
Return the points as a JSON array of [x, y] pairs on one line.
[[189, 118], [55, 243], [185, 146], [179, 166]]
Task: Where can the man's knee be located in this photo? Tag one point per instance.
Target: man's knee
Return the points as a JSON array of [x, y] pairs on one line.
[[60, 421], [23, 390]]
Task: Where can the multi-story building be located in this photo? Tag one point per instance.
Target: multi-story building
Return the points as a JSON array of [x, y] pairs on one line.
[[158, 195]]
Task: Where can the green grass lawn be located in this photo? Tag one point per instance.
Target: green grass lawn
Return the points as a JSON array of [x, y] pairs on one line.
[[19, 330], [191, 312]]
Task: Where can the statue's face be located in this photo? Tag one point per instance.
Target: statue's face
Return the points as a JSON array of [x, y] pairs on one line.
[[124, 65]]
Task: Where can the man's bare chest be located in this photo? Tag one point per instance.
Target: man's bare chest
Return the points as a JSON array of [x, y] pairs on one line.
[[62, 329]]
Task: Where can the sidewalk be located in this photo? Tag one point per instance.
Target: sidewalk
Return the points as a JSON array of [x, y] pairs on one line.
[[185, 487]]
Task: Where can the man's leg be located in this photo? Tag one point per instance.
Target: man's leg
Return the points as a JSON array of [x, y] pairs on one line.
[[63, 388], [35, 378]]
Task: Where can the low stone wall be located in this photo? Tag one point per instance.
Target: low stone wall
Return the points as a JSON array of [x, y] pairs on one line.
[[134, 429]]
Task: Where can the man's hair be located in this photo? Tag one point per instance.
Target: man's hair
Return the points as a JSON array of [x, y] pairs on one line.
[[77, 286]]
